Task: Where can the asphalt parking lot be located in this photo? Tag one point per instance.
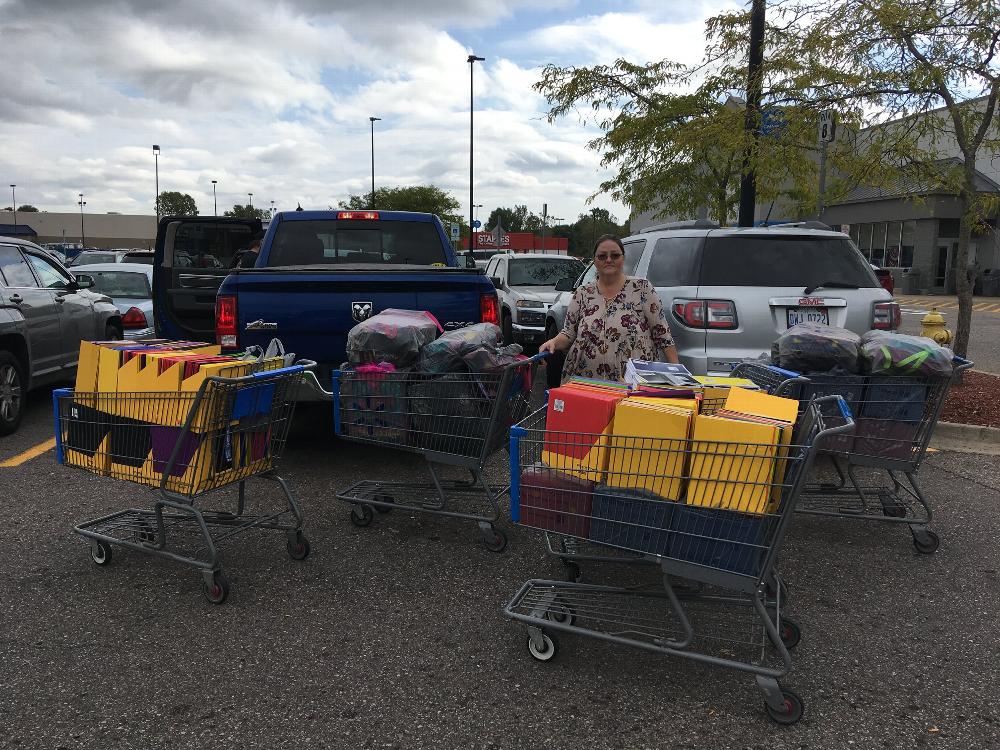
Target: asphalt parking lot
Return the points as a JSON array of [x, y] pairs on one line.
[[392, 636]]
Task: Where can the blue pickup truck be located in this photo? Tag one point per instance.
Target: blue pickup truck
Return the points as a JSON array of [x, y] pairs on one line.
[[317, 275]]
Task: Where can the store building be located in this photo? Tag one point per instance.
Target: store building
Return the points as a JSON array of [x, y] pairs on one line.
[[92, 230]]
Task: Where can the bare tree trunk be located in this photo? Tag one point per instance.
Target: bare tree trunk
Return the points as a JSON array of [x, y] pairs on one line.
[[722, 208], [963, 287]]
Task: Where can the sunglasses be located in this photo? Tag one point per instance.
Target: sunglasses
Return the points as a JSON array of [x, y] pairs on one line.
[[608, 256]]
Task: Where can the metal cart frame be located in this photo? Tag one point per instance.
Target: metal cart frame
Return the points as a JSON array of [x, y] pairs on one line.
[[726, 619], [902, 501], [230, 430], [502, 400]]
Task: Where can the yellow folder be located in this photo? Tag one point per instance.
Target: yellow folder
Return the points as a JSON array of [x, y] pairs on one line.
[[649, 448], [690, 404], [760, 404], [733, 463]]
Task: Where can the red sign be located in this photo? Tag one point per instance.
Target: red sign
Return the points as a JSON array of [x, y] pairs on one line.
[[812, 301]]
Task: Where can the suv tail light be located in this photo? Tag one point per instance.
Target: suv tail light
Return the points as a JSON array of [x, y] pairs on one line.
[[134, 318], [225, 322], [489, 309], [716, 314], [887, 316]]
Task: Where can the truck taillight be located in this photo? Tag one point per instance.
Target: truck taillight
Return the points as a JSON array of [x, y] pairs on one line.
[[717, 314], [134, 318], [886, 316], [225, 322], [489, 309], [364, 215]]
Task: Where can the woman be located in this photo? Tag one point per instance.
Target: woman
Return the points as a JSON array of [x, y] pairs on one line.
[[612, 320]]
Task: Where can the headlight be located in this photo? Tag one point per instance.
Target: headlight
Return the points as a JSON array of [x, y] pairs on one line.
[[530, 303]]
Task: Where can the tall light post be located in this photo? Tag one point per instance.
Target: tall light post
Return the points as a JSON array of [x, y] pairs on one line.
[[473, 59], [251, 200], [472, 227], [13, 203], [83, 238], [156, 159], [272, 209], [215, 200], [373, 120]]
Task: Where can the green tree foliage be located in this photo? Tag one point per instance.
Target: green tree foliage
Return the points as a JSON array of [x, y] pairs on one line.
[[583, 233], [516, 219], [27, 208], [923, 76], [424, 198], [248, 212], [173, 203]]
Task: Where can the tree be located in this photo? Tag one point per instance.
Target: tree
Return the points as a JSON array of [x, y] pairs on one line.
[[248, 212], [583, 233], [27, 208], [517, 219], [173, 203], [921, 74], [423, 198]]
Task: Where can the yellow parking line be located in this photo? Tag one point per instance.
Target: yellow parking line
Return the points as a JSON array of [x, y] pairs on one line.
[[29, 454]]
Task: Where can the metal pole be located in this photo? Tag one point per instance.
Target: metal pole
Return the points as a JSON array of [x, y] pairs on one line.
[[215, 200], [372, 120], [822, 181], [13, 205], [156, 159], [472, 232], [751, 122], [83, 237], [545, 214]]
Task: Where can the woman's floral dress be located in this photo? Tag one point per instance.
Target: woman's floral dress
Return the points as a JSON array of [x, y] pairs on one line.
[[605, 335]]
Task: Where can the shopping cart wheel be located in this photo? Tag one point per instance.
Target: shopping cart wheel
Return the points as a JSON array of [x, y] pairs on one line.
[[497, 542], [549, 649], [926, 541], [362, 515], [790, 712], [298, 548], [217, 591], [101, 552], [145, 533], [383, 499], [561, 614], [790, 633]]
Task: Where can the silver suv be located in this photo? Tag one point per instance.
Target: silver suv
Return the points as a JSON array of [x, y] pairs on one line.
[[730, 292], [44, 313], [526, 286]]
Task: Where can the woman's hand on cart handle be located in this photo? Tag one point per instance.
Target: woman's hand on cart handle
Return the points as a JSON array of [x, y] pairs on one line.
[[554, 344], [540, 356]]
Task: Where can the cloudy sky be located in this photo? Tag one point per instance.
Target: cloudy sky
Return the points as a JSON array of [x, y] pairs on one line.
[[273, 97]]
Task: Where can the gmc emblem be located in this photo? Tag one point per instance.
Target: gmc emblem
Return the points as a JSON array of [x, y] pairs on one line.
[[361, 310], [814, 301]]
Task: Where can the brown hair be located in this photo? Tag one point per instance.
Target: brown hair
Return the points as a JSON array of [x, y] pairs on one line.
[[605, 238]]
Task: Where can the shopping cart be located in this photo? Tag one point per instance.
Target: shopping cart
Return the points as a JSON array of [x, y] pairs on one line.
[[451, 419], [726, 618], [896, 416], [187, 445]]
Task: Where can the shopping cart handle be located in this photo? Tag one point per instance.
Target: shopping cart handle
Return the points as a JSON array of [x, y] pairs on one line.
[[845, 410], [782, 371], [538, 357], [961, 363]]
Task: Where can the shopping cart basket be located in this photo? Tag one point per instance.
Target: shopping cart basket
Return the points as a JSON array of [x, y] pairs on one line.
[[727, 618], [187, 445], [896, 416], [451, 419]]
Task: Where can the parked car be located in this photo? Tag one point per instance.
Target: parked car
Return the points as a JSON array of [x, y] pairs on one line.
[[885, 278], [45, 311], [130, 287], [90, 257], [730, 292], [526, 284]]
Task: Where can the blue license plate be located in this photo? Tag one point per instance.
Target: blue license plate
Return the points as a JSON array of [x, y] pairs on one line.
[[798, 315]]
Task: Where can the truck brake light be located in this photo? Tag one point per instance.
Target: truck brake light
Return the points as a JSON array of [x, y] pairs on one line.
[[225, 321], [489, 309], [365, 215]]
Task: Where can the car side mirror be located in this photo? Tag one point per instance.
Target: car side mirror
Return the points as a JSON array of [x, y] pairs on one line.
[[565, 284], [84, 281], [497, 281], [470, 260]]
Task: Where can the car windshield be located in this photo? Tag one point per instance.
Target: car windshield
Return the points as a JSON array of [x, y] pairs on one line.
[[325, 241], [84, 258], [542, 271], [144, 258], [120, 283], [783, 261]]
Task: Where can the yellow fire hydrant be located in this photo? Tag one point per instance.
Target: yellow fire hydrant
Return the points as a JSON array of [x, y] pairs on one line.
[[932, 326]]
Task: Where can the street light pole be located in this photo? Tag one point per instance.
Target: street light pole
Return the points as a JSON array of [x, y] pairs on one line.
[[215, 200], [373, 120], [251, 200], [272, 209], [156, 158], [473, 59], [83, 238], [13, 204]]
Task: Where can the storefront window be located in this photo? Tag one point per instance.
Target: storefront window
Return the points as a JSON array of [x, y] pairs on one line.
[[893, 238], [854, 232], [878, 243], [865, 239], [907, 242]]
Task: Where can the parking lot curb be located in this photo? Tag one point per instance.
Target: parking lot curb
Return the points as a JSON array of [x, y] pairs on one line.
[[948, 433]]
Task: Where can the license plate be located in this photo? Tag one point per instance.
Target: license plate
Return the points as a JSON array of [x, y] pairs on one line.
[[798, 315]]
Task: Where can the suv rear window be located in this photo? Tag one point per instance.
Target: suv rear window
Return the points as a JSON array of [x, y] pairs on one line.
[[328, 241], [145, 258], [674, 262], [783, 261]]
